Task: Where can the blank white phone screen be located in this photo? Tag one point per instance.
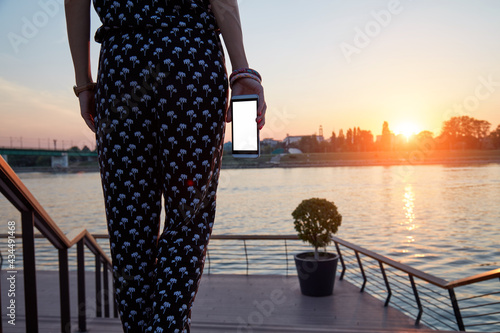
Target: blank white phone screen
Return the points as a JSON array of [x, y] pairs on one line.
[[244, 125]]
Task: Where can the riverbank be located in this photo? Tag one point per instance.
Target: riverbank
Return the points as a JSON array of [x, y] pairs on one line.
[[364, 159], [453, 157]]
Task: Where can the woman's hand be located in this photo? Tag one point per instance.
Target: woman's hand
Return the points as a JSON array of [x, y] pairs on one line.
[[87, 107], [248, 86]]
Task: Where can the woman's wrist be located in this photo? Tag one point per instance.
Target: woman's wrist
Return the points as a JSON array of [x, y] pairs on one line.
[[84, 87], [244, 73], [83, 82], [238, 65], [83, 75]]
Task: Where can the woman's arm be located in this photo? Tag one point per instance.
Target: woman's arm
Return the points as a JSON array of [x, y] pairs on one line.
[[228, 19], [227, 14], [78, 27]]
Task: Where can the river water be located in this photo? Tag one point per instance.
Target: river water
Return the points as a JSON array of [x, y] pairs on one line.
[[444, 220]]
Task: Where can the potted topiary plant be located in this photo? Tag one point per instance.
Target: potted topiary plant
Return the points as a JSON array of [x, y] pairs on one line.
[[316, 220]]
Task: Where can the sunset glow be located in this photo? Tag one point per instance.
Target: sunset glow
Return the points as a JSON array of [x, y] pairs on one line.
[[420, 69], [407, 129]]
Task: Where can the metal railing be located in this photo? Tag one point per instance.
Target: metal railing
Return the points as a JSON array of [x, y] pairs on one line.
[[428, 299], [432, 295], [34, 216]]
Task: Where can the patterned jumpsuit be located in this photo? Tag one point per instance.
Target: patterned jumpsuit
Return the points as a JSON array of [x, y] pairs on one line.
[[161, 98]]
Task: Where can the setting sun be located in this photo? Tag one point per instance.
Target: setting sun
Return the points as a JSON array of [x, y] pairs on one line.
[[407, 129]]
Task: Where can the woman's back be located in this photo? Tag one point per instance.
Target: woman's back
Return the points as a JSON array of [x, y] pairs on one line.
[[141, 15]]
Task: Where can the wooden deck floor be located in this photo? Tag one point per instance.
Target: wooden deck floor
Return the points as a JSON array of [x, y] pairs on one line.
[[231, 303]]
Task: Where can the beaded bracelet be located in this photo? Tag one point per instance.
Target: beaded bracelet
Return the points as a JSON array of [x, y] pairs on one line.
[[245, 70], [238, 76]]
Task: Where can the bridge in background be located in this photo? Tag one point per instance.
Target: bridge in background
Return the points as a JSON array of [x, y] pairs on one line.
[[59, 158], [44, 152]]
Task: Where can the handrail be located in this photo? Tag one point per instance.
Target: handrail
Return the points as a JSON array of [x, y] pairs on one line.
[[22, 199], [420, 292], [494, 273], [33, 215], [19, 195], [402, 267], [439, 282]]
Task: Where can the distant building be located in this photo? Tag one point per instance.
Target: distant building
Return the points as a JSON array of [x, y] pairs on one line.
[[291, 139], [296, 138], [269, 141]]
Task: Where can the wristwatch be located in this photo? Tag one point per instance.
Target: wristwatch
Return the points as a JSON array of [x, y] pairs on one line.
[[88, 86]]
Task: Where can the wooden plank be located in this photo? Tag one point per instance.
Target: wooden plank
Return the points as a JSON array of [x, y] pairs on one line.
[[250, 302], [100, 325], [232, 303]]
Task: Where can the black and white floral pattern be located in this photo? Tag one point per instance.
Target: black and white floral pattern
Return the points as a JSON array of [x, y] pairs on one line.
[[161, 98]]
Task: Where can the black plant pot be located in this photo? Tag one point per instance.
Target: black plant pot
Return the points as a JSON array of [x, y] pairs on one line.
[[316, 278]]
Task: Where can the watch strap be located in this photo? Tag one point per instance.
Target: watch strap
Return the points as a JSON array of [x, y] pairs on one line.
[[88, 86]]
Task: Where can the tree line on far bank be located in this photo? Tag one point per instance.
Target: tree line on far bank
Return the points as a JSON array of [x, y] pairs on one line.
[[457, 133]]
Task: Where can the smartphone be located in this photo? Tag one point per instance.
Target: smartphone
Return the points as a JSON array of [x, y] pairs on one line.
[[244, 129]]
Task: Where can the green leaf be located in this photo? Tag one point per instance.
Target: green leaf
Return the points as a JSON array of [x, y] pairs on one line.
[[316, 220]]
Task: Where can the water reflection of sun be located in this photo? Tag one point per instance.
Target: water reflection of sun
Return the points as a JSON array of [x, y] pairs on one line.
[[409, 204]]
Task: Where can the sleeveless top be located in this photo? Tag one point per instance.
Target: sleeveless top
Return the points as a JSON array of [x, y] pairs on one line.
[[153, 16]]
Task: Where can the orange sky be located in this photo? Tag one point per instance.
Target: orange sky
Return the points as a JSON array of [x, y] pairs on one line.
[[338, 64]]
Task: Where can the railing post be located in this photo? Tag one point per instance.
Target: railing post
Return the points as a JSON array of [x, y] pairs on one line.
[[64, 290], [106, 289], [246, 254], [341, 261], [1, 321], [208, 258], [30, 296], [456, 309], [98, 288], [417, 299], [82, 324], [115, 309], [286, 256], [362, 272], [389, 292]]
